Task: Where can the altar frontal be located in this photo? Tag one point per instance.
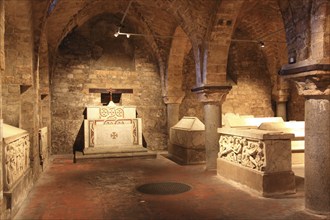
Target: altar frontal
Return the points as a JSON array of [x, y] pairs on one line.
[[112, 126]]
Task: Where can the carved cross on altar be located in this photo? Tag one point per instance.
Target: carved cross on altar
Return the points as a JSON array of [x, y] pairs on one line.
[[110, 94]]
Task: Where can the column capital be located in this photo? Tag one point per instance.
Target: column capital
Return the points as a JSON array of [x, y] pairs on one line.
[[212, 93], [281, 96], [317, 85], [173, 99], [306, 67], [312, 77]]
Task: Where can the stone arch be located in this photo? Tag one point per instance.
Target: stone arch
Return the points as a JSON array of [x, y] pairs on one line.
[[263, 23], [296, 19], [212, 54], [174, 79], [83, 16], [40, 12]]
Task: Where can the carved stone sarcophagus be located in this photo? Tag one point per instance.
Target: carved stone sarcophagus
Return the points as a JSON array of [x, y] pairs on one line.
[[258, 159], [17, 175], [187, 141]]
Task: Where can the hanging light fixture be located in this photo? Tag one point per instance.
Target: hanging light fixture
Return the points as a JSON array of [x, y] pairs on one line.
[[122, 22]]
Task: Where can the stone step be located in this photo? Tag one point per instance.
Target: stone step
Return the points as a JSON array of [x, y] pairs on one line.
[[115, 152], [116, 149]]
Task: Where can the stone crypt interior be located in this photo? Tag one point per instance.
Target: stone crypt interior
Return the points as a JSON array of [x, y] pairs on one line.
[[165, 109]]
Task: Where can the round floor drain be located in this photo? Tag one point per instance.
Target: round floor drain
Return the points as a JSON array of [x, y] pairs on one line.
[[164, 188]]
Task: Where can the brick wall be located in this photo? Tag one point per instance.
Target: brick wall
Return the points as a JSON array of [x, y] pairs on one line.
[[190, 105], [252, 92], [296, 105], [103, 61], [250, 95]]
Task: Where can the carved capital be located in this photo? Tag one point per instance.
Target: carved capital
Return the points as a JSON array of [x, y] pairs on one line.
[[212, 93], [173, 99], [281, 95], [318, 85]]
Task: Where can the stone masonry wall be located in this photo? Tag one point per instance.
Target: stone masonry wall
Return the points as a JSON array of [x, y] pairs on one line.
[[295, 105], [11, 106], [190, 105], [18, 58], [88, 61], [251, 95]]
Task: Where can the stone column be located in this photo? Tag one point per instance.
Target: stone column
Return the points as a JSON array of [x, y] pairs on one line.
[[212, 97], [281, 109], [281, 97], [317, 142], [173, 110], [173, 115]]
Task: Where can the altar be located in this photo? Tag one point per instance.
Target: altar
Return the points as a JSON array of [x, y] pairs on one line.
[[113, 131], [112, 126]]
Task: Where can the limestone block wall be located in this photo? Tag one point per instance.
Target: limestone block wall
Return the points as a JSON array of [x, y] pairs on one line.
[[18, 58], [18, 43], [252, 92], [250, 95], [190, 105], [11, 104], [295, 105], [86, 61]]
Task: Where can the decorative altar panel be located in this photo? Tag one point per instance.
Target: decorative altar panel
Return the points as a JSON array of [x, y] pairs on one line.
[[112, 126], [111, 112]]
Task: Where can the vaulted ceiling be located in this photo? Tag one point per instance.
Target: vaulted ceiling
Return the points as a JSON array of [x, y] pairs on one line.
[[152, 18]]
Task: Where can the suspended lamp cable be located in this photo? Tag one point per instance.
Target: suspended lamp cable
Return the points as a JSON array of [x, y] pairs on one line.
[[122, 22]]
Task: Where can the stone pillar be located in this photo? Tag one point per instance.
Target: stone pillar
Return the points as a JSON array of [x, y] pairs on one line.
[[281, 97], [212, 97], [316, 91], [317, 154], [172, 114], [312, 78], [281, 110], [212, 121], [173, 110]]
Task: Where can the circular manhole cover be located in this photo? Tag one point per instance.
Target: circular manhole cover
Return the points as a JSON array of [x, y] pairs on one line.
[[164, 188]]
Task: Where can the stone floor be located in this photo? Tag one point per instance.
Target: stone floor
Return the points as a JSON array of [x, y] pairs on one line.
[[106, 189]]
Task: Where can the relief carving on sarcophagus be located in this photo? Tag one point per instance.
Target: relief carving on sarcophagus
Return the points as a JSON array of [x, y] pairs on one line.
[[248, 153], [16, 154], [17, 159], [259, 159]]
